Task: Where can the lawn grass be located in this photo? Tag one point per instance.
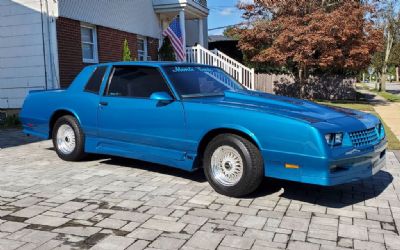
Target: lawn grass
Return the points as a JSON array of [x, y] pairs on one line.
[[393, 142], [363, 106], [388, 96]]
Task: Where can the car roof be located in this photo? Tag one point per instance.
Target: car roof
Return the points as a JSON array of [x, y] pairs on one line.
[[150, 63]]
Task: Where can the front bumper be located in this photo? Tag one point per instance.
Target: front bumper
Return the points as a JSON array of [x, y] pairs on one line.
[[352, 165], [359, 167]]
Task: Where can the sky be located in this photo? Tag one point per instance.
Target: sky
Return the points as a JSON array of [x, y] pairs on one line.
[[222, 13]]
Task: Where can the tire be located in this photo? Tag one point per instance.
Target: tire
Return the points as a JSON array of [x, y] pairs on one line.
[[68, 139], [223, 174]]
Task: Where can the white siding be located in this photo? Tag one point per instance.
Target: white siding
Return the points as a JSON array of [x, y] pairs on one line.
[[14, 62], [24, 57], [21, 51], [134, 16], [16, 41]]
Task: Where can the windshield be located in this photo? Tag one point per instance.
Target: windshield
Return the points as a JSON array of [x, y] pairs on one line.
[[200, 81]]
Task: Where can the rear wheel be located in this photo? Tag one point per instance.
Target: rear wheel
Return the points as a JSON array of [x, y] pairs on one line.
[[68, 139], [233, 165]]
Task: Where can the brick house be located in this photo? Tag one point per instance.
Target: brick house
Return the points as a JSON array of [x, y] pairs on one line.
[[44, 44]]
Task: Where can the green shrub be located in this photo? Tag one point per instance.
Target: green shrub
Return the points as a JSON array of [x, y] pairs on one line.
[[166, 51], [126, 53], [11, 121]]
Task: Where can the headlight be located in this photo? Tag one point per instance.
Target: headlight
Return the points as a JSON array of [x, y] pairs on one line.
[[338, 138], [334, 139], [379, 128]]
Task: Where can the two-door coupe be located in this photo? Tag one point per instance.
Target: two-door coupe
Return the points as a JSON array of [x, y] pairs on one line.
[[193, 116]]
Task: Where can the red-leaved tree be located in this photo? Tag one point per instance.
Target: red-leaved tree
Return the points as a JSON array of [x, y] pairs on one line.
[[308, 36]]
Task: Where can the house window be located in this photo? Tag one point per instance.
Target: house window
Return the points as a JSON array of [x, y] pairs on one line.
[[142, 48], [89, 43]]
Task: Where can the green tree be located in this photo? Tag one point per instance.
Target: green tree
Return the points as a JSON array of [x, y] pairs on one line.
[[395, 58], [390, 23], [126, 53], [377, 65], [166, 51], [395, 55]]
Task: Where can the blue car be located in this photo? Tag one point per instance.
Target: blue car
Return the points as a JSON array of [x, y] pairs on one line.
[[192, 116]]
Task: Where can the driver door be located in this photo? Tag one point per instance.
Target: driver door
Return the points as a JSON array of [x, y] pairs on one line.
[[133, 125]]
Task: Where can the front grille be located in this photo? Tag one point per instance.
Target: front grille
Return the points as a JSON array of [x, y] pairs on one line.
[[364, 137]]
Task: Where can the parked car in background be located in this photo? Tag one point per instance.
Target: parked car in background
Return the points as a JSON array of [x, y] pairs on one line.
[[192, 116]]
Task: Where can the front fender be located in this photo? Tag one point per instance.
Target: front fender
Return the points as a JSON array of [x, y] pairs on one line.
[[233, 127]]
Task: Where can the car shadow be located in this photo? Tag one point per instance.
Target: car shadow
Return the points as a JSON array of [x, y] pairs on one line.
[[197, 175], [15, 137], [88, 157], [332, 197]]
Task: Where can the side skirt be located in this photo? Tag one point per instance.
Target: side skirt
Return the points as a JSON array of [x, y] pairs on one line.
[[168, 157]]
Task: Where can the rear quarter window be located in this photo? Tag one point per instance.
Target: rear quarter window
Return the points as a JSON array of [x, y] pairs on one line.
[[94, 83]]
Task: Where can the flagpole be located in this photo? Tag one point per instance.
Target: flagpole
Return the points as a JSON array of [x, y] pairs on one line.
[[183, 27]]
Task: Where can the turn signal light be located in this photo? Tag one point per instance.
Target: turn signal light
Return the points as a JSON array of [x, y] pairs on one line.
[[292, 166]]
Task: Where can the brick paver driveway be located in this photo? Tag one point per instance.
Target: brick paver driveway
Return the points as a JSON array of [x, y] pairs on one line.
[[107, 203]]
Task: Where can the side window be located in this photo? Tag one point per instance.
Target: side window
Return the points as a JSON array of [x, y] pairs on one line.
[[138, 82], [94, 83]]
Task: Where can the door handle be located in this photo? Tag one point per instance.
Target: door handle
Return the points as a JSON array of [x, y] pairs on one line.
[[103, 103]]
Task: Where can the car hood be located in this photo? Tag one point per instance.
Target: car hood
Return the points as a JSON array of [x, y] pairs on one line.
[[283, 106]]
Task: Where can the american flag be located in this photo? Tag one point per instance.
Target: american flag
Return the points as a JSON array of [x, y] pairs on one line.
[[174, 33]]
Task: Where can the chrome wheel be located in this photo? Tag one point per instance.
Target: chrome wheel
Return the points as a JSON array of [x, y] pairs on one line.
[[66, 139], [226, 165]]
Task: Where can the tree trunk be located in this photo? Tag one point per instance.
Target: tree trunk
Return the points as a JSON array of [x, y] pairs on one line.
[[389, 45], [397, 73], [382, 85], [301, 81], [300, 75]]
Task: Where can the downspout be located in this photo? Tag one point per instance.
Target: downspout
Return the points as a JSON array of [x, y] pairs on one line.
[[54, 78], [43, 46]]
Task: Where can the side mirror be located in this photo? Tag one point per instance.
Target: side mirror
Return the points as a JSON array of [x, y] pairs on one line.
[[162, 97]]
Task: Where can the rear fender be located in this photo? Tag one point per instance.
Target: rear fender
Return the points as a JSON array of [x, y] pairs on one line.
[[53, 116]]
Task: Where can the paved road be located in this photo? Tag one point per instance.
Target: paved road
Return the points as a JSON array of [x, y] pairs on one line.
[[46, 203]]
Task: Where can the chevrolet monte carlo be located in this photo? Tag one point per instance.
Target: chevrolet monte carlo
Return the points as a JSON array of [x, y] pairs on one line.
[[192, 116]]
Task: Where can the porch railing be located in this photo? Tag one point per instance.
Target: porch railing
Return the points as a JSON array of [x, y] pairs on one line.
[[201, 2], [241, 73]]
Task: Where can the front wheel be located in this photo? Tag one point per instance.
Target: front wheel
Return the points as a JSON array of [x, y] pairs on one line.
[[233, 165], [68, 139]]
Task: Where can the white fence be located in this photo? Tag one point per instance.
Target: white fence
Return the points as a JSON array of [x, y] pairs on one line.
[[241, 73]]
